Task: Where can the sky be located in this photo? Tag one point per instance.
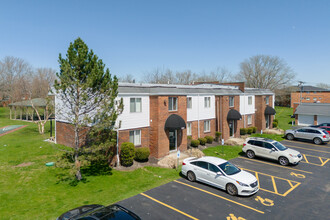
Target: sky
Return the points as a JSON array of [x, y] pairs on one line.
[[135, 37]]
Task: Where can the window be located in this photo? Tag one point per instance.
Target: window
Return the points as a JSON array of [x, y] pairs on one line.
[[200, 164], [135, 137], [135, 105], [231, 101], [250, 100], [268, 146], [314, 99], [189, 102], [213, 168], [207, 102], [206, 126], [188, 128], [267, 100], [320, 98], [172, 103], [249, 119], [307, 99]]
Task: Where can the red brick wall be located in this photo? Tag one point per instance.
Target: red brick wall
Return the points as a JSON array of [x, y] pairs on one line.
[[260, 119], [194, 129], [123, 136], [65, 134], [295, 97], [159, 142]]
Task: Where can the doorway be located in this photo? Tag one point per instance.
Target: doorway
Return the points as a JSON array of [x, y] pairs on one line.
[[173, 136], [267, 121], [231, 128]]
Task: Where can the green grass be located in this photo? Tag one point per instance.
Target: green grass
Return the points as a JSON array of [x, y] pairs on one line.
[[283, 115], [33, 192], [225, 152], [275, 137]]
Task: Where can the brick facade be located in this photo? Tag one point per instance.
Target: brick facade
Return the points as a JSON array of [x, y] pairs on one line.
[[123, 136], [260, 118], [194, 129], [321, 97], [65, 134]]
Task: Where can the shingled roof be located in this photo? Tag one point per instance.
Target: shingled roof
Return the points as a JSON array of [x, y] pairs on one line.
[[313, 109], [38, 102]]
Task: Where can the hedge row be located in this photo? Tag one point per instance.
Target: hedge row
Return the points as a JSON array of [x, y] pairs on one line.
[[128, 153]]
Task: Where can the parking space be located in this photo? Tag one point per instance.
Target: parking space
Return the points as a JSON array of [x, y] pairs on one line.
[[286, 192]]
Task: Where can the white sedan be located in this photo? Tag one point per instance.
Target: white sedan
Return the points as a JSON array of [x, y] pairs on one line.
[[220, 173]]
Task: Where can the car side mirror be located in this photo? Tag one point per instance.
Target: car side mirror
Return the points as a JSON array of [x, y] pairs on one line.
[[219, 173], [273, 149]]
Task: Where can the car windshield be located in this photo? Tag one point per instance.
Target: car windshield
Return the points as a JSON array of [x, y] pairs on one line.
[[229, 168], [280, 146]]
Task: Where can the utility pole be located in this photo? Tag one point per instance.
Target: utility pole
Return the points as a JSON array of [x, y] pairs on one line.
[[300, 85]]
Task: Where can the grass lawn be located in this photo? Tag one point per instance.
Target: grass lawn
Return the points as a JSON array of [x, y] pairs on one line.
[[283, 115], [33, 192], [225, 152]]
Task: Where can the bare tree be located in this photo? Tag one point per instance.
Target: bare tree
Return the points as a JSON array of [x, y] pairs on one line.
[[323, 85], [185, 77], [220, 74], [127, 78], [265, 72], [160, 76], [42, 80]]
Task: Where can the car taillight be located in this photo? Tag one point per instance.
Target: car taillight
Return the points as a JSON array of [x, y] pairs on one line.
[[324, 136], [244, 144], [183, 163]]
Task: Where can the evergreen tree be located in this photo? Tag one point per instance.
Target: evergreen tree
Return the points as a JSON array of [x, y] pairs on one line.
[[87, 94]]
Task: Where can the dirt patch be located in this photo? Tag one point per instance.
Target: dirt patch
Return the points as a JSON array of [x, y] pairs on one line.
[[24, 164], [235, 141]]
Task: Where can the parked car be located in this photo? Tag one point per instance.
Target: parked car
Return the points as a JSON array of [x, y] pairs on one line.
[[221, 174], [317, 135], [327, 128], [99, 212], [271, 149], [320, 125]]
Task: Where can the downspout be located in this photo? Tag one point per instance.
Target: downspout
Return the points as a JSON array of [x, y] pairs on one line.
[[220, 113], [198, 116]]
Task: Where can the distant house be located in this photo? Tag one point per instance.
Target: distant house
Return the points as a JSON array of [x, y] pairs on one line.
[[309, 94], [312, 113]]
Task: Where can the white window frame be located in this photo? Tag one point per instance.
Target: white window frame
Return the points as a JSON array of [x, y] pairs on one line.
[[134, 109], [135, 137], [231, 101], [267, 100], [171, 101], [207, 126], [250, 100], [249, 119], [307, 99], [207, 102], [189, 102], [188, 128]]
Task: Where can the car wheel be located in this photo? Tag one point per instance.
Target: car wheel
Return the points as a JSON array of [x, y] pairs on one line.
[[191, 176], [317, 141], [231, 189], [250, 154], [289, 136], [283, 161]]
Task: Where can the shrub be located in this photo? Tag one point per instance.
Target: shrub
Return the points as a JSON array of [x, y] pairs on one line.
[[243, 131], [142, 154], [275, 124], [209, 139], [189, 138], [202, 141], [127, 154], [194, 143], [217, 134], [275, 120], [249, 130], [254, 129]]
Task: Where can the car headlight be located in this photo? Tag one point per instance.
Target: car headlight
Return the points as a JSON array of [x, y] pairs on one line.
[[242, 184], [294, 156]]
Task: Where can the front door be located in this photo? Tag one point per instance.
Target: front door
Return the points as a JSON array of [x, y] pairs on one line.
[[231, 128], [172, 135], [267, 121]]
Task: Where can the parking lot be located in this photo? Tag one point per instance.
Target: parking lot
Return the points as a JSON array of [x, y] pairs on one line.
[[290, 192]]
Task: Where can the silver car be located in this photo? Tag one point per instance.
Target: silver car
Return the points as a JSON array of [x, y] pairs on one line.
[[317, 135]]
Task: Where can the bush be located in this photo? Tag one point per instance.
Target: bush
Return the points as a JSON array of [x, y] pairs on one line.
[[189, 138], [254, 129], [142, 154], [127, 154], [243, 131], [217, 134], [275, 124], [209, 139], [194, 143], [275, 120], [202, 141], [249, 130]]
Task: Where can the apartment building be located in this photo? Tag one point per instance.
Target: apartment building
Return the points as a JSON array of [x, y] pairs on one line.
[[309, 94], [162, 116]]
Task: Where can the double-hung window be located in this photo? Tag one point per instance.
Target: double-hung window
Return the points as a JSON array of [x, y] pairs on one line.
[[188, 128], [172, 103], [207, 126], [207, 102], [135, 105], [250, 100], [267, 100], [231, 101], [189, 102], [135, 137], [249, 119]]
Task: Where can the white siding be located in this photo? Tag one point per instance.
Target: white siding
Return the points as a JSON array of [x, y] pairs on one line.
[[135, 119], [198, 111], [305, 120], [244, 107], [323, 119]]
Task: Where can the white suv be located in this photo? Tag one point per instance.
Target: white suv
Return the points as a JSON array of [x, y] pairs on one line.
[[271, 149]]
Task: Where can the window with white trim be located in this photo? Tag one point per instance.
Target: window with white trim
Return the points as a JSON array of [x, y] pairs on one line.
[[135, 137], [250, 100], [307, 98], [207, 102], [249, 119], [267, 100], [231, 101], [207, 126], [135, 105], [188, 128], [189, 102], [172, 103]]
